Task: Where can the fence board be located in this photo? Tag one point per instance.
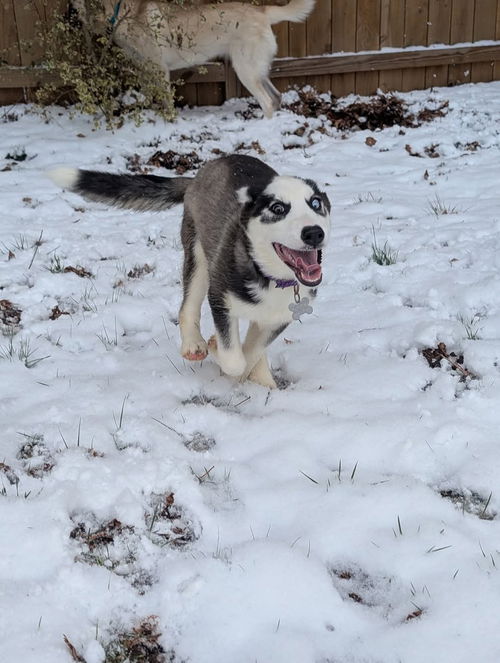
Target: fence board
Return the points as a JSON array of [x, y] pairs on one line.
[[438, 33], [297, 47], [282, 36], [392, 25], [9, 45], [343, 39], [461, 31], [319, 37], [416, 16], [367, 38], [496, 68], [29, 17], [484, 28]]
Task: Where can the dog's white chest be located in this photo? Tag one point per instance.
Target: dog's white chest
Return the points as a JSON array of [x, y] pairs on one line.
[[271, 310]]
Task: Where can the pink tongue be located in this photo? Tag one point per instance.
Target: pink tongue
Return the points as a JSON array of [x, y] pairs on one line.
[[311, 267]]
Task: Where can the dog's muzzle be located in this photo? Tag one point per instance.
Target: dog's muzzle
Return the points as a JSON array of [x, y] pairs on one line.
[[306, 265]]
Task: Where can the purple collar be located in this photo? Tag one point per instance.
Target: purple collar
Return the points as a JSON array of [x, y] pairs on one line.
[[283, 283]]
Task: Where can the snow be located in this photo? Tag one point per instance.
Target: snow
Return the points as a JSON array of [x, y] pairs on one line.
[[307, 524]]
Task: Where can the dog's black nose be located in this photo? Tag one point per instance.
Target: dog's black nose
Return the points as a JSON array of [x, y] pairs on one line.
[[312, 235]]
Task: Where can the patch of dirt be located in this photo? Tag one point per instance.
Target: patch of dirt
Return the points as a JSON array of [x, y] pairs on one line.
[[202, 137], [251, 112], [431, 151], [471, 502], [171, 160], [56, 313], [137, 645], [435, 356], [381, 593], [414, 615], [140, 270], [140, 645], [199, 442], [379, 112], [113, 545], [103, 536], [168, 522], [10, 317], [9, 473], [79, 271], [254, 145], [469, 147], [282, 379], [205, 399], [134, 164], [36, 457]]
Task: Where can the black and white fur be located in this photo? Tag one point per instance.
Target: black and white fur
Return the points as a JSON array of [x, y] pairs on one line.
[[178, 37], [245, 231]]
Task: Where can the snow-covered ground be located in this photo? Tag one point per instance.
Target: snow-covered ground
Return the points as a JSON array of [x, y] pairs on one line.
[[349, 517]]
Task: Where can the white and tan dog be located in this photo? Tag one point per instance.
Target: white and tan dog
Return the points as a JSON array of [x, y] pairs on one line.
[[175, 37]]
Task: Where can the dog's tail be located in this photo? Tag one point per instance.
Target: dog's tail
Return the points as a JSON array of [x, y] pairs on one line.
[[295, 11], [140, 192]]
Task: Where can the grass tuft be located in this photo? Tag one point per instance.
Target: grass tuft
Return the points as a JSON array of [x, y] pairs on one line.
[[471, 326], [21, 351], [438, 207], [384, 255]]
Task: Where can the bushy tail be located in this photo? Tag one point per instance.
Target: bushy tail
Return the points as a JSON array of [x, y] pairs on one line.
[[295, 11], [140, 192]]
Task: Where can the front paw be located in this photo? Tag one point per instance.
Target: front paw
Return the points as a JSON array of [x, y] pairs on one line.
[[261, 374], [194, 350]]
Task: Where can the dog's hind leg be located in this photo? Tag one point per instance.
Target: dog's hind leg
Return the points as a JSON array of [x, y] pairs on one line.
[[252, 61], [195, 277]]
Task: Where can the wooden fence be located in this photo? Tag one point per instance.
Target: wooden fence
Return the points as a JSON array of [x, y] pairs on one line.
[[383, 30]]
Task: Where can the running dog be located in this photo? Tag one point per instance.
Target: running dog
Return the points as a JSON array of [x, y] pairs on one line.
[[175, 37], [252, 243]]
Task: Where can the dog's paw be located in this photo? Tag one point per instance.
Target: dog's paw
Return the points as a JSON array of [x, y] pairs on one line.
[[261, 374], [194, 350], [231, 362]]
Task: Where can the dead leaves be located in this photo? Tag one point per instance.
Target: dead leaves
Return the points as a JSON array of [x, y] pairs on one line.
[[435, 356], [10, 315], [379, 112]]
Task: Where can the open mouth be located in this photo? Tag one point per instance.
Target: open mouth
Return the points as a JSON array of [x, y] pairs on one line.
[[306, 265]]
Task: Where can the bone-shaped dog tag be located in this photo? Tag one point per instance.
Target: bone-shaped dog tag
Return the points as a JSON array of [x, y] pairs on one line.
[[300, 306]]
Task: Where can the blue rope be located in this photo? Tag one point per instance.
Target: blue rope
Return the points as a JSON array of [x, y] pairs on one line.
[[116, 11]]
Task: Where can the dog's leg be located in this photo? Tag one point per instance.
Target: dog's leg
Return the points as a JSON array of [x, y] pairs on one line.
[[226, 344], [251, 61], [254, 348], [261, 374], [195, 278]]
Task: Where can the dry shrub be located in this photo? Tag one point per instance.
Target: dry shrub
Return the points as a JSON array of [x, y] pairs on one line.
[[97, 76]]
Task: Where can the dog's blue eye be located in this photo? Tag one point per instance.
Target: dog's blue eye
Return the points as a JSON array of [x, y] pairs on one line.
[[277, 209], [315, 203]]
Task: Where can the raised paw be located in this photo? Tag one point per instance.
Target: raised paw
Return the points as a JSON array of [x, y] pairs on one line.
[[194, 351]]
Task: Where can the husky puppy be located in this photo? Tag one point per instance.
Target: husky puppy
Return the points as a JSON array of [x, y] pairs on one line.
[[175, 37], [252, 243]]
